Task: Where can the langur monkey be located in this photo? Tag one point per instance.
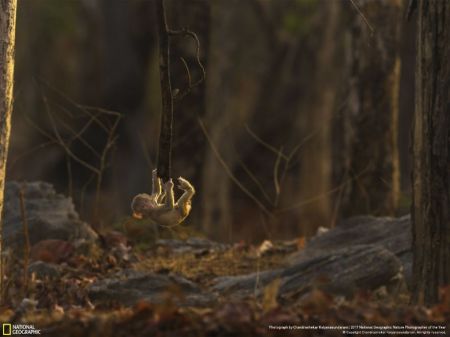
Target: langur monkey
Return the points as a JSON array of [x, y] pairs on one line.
[[160, 206]]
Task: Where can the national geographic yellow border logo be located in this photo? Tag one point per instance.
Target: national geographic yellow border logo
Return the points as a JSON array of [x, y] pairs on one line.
[[9, 329], [6, 329]]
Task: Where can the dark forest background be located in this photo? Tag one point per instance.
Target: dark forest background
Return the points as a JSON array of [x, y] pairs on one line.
[[285, 105]]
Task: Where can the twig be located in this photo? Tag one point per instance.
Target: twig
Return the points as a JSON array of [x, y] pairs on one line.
[[230, 173], [109, 126], [63, 144], [256, 181], [265, 225], [188, 73], [77, 136], [318, 197], [26, 249], [186, 32], [276, 182], [69, 177], [265, 144], [362, 16], [102, 166], [287, 164], [83, 191], [336, 207], [102, 110], [84, 108], [14, 161], [255, 289]]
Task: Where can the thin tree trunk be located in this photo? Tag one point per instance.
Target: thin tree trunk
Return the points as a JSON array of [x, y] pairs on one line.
[[231, 93], [165, 137], [431, 153], [7, 38], [316, 154], [216, 216], [369, 166]]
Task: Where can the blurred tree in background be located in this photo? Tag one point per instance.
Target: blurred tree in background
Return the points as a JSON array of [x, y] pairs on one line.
[[367, 129]]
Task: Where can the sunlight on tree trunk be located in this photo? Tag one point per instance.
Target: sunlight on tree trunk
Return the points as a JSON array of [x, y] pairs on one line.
[[7, 38], [431, 150]]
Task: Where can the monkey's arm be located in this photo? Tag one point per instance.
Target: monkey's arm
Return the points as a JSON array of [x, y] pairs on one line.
[[170, 199], [156, 183]]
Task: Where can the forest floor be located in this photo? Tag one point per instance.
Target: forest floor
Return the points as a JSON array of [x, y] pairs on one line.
[[61, 306]]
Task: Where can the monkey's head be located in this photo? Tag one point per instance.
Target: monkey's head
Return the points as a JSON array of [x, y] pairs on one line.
[[142, 205]]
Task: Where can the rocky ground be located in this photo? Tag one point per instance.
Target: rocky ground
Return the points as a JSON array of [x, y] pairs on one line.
[[81, 283]]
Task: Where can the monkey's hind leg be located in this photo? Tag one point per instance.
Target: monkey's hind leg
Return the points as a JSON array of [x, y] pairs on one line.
[[185, 200]]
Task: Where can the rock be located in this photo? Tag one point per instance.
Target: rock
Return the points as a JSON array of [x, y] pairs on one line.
[[191, 245], [50, 215], [129, 287], [44, 270], [360, 253], [245, 285], [341, 271], [26, 306], [394, 234]]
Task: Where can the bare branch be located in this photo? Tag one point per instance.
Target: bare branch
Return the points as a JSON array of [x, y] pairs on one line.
[[361, 14], [84, 108], [318, 197], [26, 239], [265, 144], [188, 33], [69, 177], [230, 173], [22, 155], [77, 136], [188, 73], [256, 181], [276, 181], [63, 144]]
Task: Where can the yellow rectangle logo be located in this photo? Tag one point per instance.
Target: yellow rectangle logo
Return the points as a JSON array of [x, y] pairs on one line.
[[6, 329]]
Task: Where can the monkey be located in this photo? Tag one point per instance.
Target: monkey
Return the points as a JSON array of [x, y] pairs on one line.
[[160, 206]]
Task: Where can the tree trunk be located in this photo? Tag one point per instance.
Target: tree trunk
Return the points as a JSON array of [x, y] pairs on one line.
[[431, 153], [368, 164], [7, 38], [216, 188], [165, 137], [316, 154], [231, 90]]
